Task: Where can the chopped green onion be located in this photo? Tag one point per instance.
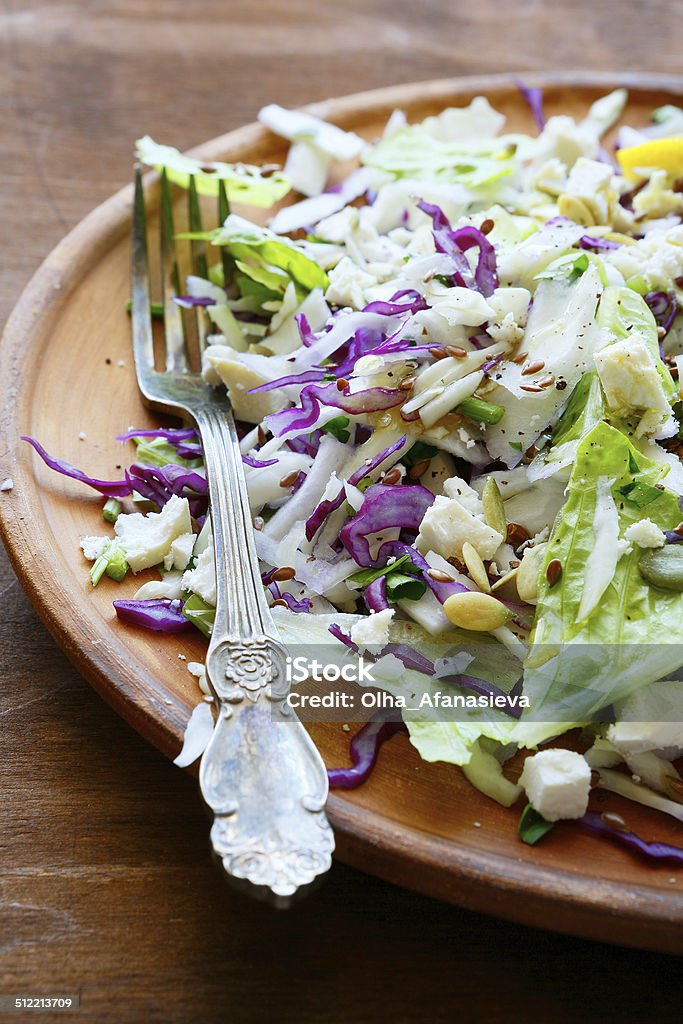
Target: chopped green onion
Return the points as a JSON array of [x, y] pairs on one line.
[[200, 614], [517, 445], [483, 412], [532, 826], [112, 561], [111, 510]]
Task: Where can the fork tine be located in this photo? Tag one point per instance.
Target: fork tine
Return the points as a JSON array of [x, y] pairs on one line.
[[200, 265], [176, 356], [141, 318], [223, 214]]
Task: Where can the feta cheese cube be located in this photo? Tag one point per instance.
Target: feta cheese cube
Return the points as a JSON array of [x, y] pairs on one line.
[[458, 488], [348, 284], [93, 547], [446, 526], [202, 579], [371, 633], [631, 383], [180, 552], [147, 539], [557, 783]]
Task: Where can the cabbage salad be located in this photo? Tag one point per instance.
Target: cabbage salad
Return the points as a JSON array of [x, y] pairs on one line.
[[456, 375]]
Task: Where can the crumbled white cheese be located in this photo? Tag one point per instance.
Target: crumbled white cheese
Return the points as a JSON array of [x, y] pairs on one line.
[[631, 383], [93, 547], [202, 579], [147, 539], [645, 534], [458, 488], [657, 199], [371, 632], [348, 284], [7, 485], [557, 783], [447, 524], [180, 552]]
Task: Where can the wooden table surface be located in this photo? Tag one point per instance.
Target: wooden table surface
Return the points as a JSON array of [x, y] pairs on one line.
[[106, 887]]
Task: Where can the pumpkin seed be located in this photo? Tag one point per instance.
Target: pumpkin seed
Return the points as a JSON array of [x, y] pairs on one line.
[[663, 567], [528, 573], [478, 612], [475, 566], [494, 510]]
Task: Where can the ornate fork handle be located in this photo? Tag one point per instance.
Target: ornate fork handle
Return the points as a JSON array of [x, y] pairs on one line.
[[261, 774]]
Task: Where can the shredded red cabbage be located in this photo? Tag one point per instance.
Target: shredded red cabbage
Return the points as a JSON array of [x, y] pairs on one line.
[[597, 244], [170, 434], [375, 595], [110, 488], [249, 460], [313, 396], [307, 377], [160, 614], [593, 822], [672, 537], [303, 605], [664, 307], [159, 483], [455, 243], [305, 333], [394, 308], [384, 508], [534, 97], [364, 749], [190, 301]]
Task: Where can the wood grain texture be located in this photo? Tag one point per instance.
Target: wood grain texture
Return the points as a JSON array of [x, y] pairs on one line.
[[104, 881]]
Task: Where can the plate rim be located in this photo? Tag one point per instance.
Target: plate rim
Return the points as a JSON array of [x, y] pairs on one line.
[[478, 880]]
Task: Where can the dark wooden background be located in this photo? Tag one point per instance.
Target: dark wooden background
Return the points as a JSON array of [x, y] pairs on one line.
[[106, 887]]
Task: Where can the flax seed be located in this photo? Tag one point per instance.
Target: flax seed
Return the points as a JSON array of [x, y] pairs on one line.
[[456, 351], [342, 383], [407, 383], [438, 576], [416, 471], [520, 358], [290, 479], [554, 572], [279, 603], [487, 226], [530, 387], [438, 353], [392, 477], [410, 417], [284, 574], [517, 534], [546, 382], [534, 367]]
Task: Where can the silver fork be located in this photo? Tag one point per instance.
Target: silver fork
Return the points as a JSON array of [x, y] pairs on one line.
[[261, 774]]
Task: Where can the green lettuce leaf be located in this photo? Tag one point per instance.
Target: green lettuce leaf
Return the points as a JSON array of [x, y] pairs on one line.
[[413, 152], [243, 183], [265, 252], [580, 663], [623, 311]]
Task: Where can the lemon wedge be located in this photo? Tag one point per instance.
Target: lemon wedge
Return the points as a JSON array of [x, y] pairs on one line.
[[666, 154]]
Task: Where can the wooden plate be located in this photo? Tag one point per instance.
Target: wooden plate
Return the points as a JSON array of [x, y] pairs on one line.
[[66, 369]]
